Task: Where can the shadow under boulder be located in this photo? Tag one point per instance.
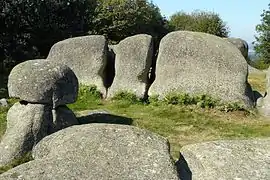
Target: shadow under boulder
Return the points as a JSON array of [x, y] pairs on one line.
[[101, 116]]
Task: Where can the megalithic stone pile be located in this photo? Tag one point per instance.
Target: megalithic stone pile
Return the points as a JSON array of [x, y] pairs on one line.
[[44, 89], [186, 62]]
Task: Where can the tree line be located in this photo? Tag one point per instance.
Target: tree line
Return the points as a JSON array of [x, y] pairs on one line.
[[28, 28]]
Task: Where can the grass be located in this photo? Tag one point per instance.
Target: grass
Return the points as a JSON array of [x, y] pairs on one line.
[[3, 116], [179, 118], [181, 124], [258, 81], [26, 158]]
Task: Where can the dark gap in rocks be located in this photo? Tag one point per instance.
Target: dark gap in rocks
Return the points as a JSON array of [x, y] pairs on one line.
[[109, 71], [152, 71], [183, 169], [22, 102]]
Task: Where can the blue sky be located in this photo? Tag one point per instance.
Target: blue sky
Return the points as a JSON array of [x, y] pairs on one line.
[[241, 16]]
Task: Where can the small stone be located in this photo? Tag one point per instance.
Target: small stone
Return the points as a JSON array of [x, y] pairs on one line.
[[3, 102]]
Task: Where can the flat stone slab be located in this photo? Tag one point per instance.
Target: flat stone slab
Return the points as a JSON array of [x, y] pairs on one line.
[[227, 160]]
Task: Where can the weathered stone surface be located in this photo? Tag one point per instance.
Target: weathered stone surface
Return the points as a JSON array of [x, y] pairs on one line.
[[3, 102], [263, 103], [227, 160], [132, 65], [99, 151], [86, 56], [200, 63], [63, 118], [26, 126], [41, 81], [240, 44]]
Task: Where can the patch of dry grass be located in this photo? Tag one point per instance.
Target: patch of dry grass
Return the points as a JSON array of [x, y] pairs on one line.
[[258, 81]]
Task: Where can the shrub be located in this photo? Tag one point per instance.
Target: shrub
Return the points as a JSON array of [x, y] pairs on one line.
[[126, 96], [202, 101], [118, 19], [200, 21], [29, 28], [262, 44], [182, 99]]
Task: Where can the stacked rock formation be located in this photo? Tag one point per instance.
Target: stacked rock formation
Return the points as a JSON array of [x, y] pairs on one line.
[[44, 89]]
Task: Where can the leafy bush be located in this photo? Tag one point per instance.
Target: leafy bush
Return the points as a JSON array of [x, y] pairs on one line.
[[206, 101], [202, 101], [259, 64], [126, 96], [262, 44], [118, 19], [29, 28], [200, 21], [182, 99]]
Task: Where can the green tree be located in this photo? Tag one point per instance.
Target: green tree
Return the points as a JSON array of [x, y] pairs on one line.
[[262, 44], [200, 21], [118, 19], [28, 28]]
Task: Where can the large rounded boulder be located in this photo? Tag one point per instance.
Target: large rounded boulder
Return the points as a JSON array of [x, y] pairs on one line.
[[200, 63], [133, 61], [99, 151], [86, 56], [41, 81], [26, 126]]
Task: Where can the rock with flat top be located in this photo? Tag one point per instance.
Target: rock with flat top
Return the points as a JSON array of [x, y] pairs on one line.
[[226, 160], [99, 151], [43, 82]]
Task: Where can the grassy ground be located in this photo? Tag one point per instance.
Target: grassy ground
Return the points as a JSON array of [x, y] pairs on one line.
[[180, 124], [258, 81]]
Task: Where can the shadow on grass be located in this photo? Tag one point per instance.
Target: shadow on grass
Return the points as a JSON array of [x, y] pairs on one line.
[[103, 117]]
